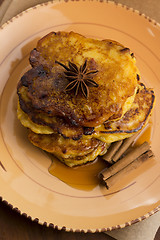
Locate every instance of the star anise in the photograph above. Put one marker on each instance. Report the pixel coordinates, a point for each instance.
(79, 78)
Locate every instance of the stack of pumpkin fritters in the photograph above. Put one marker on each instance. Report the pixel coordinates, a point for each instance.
(80, 95)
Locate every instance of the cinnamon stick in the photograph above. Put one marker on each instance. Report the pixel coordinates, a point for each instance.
(112, 150)
(126, 160)
(125, 145)
(109, 182)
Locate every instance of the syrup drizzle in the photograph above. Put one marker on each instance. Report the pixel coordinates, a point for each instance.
(81, 177)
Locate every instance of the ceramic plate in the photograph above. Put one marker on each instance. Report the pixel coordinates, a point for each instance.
(25, 182)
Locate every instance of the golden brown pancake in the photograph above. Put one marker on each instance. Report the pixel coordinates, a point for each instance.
(45, 82)
(70, 152)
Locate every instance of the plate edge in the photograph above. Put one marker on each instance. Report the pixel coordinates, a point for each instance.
(145, 216)
(151, 20)
(67, 229)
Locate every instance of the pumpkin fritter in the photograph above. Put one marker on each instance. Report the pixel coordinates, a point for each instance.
(46, 81)
(70, 152)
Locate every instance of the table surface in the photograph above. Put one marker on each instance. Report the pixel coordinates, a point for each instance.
(17, 227)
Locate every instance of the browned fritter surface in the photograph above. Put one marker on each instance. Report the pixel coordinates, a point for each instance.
(70, 152)
(54, 143)
(45, 82)
(135, 118)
